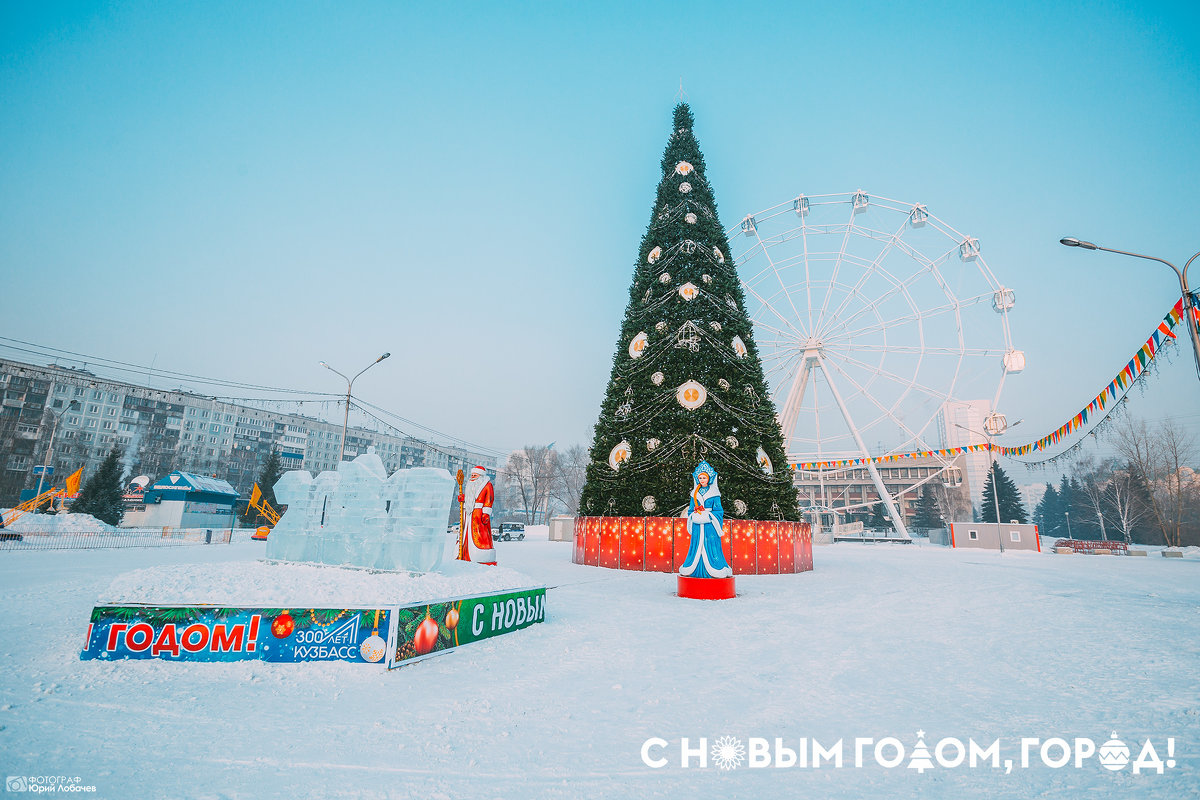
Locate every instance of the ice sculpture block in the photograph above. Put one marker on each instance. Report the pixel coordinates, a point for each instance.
(360, 517)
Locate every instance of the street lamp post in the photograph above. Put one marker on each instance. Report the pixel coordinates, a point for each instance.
(992, 472)
(50, 447)
(1189, 304)
(349, 387)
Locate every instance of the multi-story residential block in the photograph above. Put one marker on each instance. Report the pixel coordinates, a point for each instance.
(160, 431)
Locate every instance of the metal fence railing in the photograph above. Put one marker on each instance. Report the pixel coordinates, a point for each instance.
(122, 537)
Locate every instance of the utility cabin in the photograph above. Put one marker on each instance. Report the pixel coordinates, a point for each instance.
(185, 500)
(990, 536)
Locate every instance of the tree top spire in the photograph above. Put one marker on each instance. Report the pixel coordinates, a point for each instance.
(683, 117)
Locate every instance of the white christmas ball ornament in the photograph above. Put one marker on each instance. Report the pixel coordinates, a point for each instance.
(652, 443)
(373, 649)
(657, 378)
(739, 507)
(649, 503)
(637, 346)
(664, 278)
(619, 454)
(691, 395)
(660, 326)
(690, 218)
(717, 254)
(685, 187)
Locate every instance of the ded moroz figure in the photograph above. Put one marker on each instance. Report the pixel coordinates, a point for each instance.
(475, 538)
(706, 526)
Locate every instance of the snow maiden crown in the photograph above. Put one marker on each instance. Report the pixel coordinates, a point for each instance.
(704, 467)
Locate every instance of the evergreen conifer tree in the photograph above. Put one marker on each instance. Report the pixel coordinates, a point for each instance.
(1011, 505)
(1047, 512)
(686, 381)
(100, 495)
(268, 476)
(928, 516)
(1065, 500)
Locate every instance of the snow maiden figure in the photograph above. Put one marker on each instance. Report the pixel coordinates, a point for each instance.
(705, 573)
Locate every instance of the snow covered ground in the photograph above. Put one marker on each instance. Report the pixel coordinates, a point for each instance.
(879, 641)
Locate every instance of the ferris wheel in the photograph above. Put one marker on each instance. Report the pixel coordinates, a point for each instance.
(872, 317)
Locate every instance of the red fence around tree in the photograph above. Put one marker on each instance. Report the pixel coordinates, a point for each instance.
(659, 544)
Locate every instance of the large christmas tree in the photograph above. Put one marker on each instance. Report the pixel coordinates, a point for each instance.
(686, 382)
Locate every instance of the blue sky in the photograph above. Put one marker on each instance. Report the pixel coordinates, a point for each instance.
(242, 190)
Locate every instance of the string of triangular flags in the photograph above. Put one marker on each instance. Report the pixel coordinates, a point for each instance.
(1115, 389)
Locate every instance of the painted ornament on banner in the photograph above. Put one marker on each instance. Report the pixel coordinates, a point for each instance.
(764, 461)
(689, 291)
(684, 168)
(654, 255)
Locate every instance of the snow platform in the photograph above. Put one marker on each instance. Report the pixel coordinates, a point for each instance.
(285, 612)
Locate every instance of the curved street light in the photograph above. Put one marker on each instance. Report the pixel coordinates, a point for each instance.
(349, 387)
(1189, 301)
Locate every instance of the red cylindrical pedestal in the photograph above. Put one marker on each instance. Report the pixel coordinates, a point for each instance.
(706, 588)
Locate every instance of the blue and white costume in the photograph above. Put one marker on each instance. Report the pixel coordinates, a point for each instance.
(706, 526)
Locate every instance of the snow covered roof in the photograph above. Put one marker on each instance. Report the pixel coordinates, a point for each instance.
(196, 483)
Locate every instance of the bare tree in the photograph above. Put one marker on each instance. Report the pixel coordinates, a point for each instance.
(529, 480)
(1094, 479)
(570, 475)
(1124, 502)
(954, 502)
(1161, 456)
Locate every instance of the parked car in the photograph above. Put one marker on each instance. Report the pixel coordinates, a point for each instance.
(511, 530)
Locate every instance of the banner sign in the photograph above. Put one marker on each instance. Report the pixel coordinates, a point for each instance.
(428, 629)
(214, 633)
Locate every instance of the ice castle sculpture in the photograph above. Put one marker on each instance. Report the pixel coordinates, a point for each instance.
(359, 517)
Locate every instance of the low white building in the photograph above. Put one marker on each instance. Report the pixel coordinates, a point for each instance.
(990, 536)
